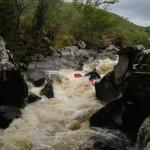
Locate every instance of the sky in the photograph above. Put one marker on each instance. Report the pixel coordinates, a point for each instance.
(137, 11)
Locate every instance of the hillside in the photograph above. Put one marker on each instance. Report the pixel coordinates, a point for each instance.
(66, 23)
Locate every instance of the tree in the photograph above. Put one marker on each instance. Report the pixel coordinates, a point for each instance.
(10, 13)
(44, 6)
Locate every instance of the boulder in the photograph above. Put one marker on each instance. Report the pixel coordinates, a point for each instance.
(32, 98)
(7, 115)
(136, 100)
(143, 139)
(81, 45)
(128, 112)
(13, 88)
(48, 90)
(37, 77)
(106, 90)
(110, 140)
(109, 116)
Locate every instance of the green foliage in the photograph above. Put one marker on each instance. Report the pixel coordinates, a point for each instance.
(65, 23)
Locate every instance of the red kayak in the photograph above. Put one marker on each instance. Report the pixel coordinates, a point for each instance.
(77, 75)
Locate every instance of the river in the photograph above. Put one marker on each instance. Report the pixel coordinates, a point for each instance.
(60, 123)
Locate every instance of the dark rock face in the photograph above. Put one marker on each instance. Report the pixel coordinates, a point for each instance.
(106, 90)
(32, 98)
(136, 100)
(109, 116)
(36, 77)
(7, 114)
(115, 141)
(48, 90)
(13, 88)
(127, 112)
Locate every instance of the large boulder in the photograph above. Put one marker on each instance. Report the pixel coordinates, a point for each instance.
(37, 77)
(136, 100)
(109, 116)
(7, 114)
(32, 98)
(13, 88)
(128, 112)
(106, 90)
(48, 90)
(143, 139)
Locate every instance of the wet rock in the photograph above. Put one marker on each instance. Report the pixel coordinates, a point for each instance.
(112, 48)
(48, 90)
(128, 112)
(53, 77)
(106, 90)
(81, 45)
(7, 115)
(36, 77)
(32, 98)
(140, 47)
(109, 116)
(110, 140)
(143, 139)
(13, 88)
(136, 101)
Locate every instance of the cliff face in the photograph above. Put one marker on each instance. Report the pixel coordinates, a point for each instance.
(13, 88)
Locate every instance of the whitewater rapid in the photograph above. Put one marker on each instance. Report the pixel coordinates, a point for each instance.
(60, 123)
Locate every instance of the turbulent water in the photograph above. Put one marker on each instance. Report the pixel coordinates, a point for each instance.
(61, 123)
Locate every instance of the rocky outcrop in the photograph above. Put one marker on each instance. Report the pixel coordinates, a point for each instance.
(36, 77)
(7, 115)
(115, 141)
(109, 116)
(32, 98)
(66, 58)
(129, 110)
(48, 90)
(112, 83)
(13, 88)
(106, 90)
(143, 140)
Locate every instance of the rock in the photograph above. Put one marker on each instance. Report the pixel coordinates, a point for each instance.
(109, 116)
(109, 140)
(112, 48)
(54, 77)
(120, 69)
(81, 45)
(143, 139)
(38, 57)
(136, 101)
(13, 88)
(128, 112)
(140, 47)
(36, 77)
(32, 98)
(48, 90)
(7, 115)
(106, 90)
